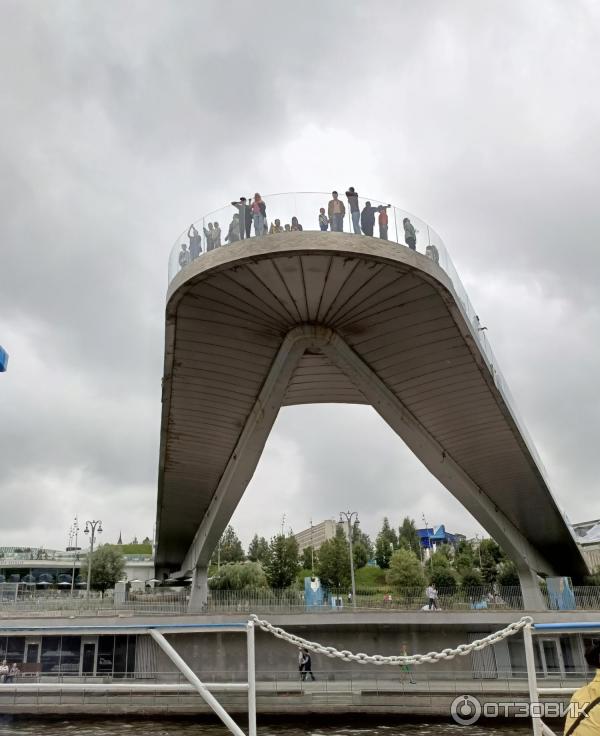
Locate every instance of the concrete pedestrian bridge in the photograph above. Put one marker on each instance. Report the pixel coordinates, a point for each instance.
(336, 317)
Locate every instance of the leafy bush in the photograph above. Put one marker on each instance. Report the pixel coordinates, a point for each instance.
(471, 579)
(239, 576)
(444, 578)
(405, 570)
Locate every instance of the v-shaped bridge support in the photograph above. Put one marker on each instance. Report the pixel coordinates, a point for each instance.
(250, 445)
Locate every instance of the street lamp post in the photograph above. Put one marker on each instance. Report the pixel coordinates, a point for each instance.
(91, 527)
(347, 515)
(73, 547)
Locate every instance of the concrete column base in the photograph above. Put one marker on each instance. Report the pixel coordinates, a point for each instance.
(533, 599)
(199, 590)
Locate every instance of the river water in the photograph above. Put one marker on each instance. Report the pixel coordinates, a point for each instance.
(299, 727)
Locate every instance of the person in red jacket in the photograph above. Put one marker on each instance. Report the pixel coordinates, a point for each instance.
(383, 221)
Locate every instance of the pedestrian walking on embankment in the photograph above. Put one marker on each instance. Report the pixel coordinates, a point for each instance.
(305, 665)
(406, 669)
(432, 595)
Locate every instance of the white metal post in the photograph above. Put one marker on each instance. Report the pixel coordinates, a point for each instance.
(251, 679)
(536, 720)
(193, 679)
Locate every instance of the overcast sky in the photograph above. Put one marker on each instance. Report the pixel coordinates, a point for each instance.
(121, 122)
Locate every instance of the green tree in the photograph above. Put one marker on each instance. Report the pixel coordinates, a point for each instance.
(464, 562)
(491, 548)
(258, 550)
(359, 537)
(507, 573)
(334, 562)
(408, 537)
(230, 548)
(489, 569)
(405, 570)
(441, 572)
(239, 576)
(309, 558)
(471, 579)
(360, 555)
(385, 543)
(282, 562)
(464, 546)
(444, 551)
(444, 578)
(491, 556)
(108, 565)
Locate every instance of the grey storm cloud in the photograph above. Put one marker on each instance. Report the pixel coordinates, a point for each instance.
(124, 121)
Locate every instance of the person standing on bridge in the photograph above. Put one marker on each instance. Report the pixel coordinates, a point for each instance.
(323, 220)
(184, 256)
(367, 218)
(233, 234)
(352, 197)
(336, 212)
(383, 221)
(209, 235)
(245, 213)
(216, 235)
(259, 215)
(195, 247)
(410, 234)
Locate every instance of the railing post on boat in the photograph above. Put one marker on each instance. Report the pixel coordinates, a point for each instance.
(195, 681)
(251, 679)
(536, 720)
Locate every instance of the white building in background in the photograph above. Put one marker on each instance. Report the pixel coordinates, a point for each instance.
(316, 534)
(18, 563)
(587, 534)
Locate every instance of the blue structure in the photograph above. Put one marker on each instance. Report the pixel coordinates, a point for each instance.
(3, 359)
(313, 592)
(430, 537)
(560, 594)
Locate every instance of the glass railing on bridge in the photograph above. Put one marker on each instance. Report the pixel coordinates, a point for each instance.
(304, 211)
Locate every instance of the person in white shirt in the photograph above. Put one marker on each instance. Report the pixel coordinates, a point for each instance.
(432, 594)
(3, 671)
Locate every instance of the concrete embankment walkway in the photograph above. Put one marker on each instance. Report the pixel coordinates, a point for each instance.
(282, 696)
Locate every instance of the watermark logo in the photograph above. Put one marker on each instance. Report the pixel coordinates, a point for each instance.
(467, 710)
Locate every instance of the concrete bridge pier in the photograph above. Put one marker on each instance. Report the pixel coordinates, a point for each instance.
(199, 590)
(533, 600)
(304, 318)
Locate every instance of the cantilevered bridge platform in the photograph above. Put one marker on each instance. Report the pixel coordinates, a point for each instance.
(308, 317)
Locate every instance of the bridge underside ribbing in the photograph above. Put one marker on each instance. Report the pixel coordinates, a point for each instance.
(327, 317)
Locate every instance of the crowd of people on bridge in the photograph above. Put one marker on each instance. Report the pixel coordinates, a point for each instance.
(253, 214)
